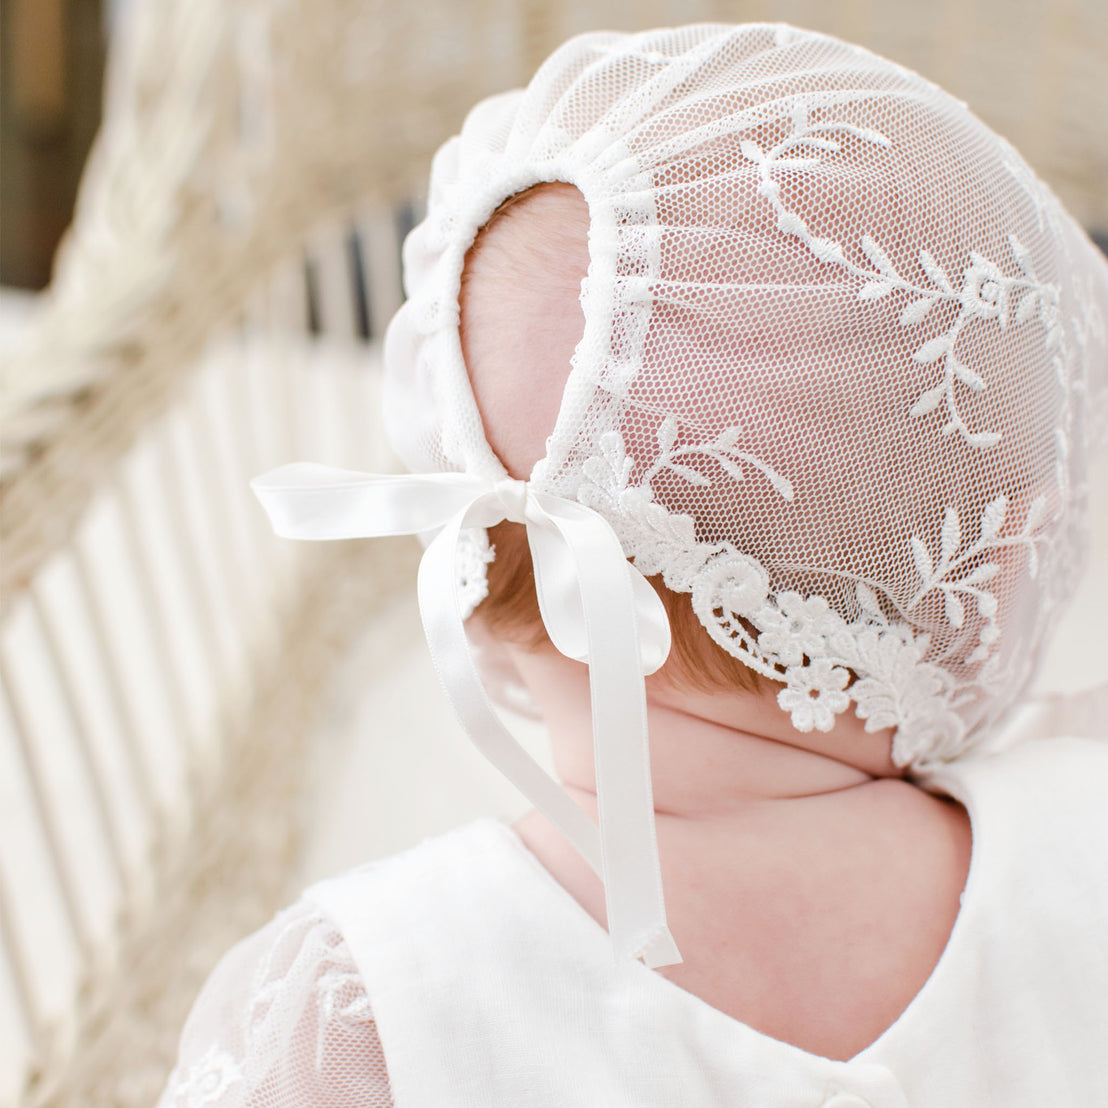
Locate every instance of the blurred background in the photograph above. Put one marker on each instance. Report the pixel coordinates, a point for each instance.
(201, 210)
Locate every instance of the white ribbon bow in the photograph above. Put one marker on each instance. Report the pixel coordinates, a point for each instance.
(597, 608)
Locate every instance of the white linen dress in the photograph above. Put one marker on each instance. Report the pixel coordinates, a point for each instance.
(461, 974)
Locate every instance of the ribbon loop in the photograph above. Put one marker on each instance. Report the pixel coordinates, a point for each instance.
(597, 609)
(512, 495)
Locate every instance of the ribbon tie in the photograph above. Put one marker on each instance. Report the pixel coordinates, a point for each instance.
(597, 608)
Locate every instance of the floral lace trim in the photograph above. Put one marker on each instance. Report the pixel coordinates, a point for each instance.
(800, 640)
(474, 554)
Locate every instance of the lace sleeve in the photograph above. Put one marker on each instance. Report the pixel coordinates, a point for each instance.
(282, 1022)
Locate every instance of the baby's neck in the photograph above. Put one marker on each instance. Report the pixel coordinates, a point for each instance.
(711, 752)
(704, 768)
(810, 888)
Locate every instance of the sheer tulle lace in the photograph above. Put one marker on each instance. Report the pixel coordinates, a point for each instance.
(843, 354)
(283, 1022)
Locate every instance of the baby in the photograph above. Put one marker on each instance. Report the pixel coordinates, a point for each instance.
(787, 327)
(811, 888)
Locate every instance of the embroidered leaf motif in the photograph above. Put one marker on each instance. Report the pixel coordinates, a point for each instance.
(992, 519)
(951, 535)
(1028, 303)
(865, 134)
(916, 312)
(731, 468)
(615, 453)
(986, 605)
(871, 290)
(1022, 255)
(983, 440)
(981, 574)
(924, 566)
(781, 484)
(968, 377)
(1032, 561)
(752, 151)
(933, 350)
(929, 400)
(867, 598)
(878, 256)
(1035, 514)
(955, 613)
(827, 250)
(935, 272)
(667, 434)
(791, 224)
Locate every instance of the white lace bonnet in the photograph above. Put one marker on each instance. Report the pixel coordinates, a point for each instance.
(843, 357)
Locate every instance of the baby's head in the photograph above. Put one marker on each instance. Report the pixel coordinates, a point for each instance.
(816, 344)
(520, 322)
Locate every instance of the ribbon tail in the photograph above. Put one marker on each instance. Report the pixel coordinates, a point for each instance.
(632, 871)
(453, 662)
(584, 583)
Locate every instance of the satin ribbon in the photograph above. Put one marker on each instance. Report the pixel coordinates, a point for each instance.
(597, 609)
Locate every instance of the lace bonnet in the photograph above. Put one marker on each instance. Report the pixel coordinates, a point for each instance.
(843, 358)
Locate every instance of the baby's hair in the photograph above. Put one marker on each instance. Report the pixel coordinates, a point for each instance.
(527, 240)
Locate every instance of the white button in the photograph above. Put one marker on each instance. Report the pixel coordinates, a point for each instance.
(846, 1100)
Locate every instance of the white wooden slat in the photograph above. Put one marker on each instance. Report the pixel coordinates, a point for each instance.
(183, 731)
(124, 708)
(220, 705)
(211, 522)
(98, 787)
(243, 452)
(65, 615)
(265, 369)
(21, 1021)
(216, 432)
(149, 501)
(45, 809)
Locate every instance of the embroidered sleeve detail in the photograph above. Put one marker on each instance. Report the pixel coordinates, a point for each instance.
(283, 1021)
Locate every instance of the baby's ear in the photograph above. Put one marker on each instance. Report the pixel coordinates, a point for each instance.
(494, 661)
